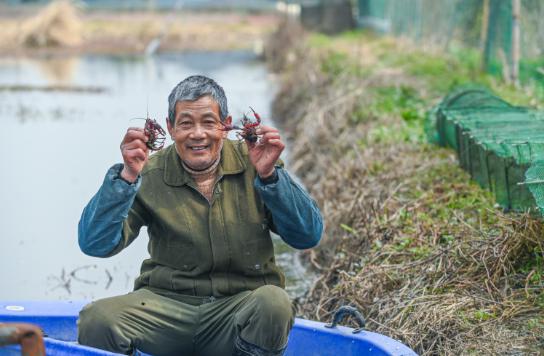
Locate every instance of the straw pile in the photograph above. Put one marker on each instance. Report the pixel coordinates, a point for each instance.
(57, 25)
(410, 241)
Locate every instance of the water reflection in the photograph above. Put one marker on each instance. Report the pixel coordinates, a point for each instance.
(58, 145)
(58, 71)
(28, 112)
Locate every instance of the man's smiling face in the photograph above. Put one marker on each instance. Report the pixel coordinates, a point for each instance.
(197, 132)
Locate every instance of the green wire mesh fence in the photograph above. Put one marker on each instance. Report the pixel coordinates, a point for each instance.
(500, 145)
(486, 25)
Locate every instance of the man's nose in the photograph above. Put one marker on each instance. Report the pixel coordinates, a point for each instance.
(198, 131)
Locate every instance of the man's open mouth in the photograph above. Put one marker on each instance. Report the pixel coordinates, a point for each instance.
(198, 147)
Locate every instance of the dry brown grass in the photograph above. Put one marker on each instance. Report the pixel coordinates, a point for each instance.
(409, 240)
(58, 24)
(61, 28)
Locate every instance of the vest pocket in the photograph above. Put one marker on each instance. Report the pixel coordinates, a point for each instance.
(167, 278)
(257, 252)
(161, 277)
(178, 253)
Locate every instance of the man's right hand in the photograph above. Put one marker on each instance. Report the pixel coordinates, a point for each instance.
(135, 153)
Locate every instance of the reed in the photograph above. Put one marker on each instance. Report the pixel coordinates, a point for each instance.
(56, 25)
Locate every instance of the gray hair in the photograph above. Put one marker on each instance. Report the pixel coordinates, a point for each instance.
(193, 88)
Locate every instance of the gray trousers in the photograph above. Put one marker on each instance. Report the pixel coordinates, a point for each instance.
(187, 325)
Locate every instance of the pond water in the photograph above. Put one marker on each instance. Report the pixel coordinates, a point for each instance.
(62, 123)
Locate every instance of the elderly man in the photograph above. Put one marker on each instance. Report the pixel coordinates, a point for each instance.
(211, 285)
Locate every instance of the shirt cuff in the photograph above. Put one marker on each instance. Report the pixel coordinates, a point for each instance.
(118, 184)
(269, 182)
(271, 179)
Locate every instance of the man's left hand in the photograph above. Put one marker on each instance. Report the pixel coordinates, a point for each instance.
(264, 153)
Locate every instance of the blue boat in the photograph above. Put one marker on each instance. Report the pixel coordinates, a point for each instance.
(58, 320)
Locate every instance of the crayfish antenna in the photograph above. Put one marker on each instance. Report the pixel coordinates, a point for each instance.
(227, 127)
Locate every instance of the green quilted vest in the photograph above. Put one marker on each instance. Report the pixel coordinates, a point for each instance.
(196, 247)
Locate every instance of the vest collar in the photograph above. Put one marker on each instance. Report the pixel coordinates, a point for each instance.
(231, 162)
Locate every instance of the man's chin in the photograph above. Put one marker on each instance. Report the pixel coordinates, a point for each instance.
(198, 165)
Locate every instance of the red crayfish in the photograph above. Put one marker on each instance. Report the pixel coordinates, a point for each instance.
(248, 128)
(155, 133)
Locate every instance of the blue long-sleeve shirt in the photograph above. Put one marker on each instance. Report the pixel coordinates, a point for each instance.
(295, 215)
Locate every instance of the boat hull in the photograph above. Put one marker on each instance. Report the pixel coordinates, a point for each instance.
(58, 320)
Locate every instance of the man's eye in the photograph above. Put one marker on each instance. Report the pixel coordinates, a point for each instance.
(185, 124)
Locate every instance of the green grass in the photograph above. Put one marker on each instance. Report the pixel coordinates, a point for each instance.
(483, 315)
(440, 71)
(348, 229)
(533, 267)
(336, 63)
(402, 101)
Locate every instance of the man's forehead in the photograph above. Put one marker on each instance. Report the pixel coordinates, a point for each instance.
(204, 104)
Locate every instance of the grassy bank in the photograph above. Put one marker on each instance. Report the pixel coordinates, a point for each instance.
(420, 249)
(63, 28)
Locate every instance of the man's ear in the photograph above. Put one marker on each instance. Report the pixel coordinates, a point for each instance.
(170, 128)
(228, 121)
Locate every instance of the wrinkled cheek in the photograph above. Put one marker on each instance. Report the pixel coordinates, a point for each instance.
(217, 148)
(182, 152)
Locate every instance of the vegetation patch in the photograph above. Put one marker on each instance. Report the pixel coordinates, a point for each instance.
(421, 250)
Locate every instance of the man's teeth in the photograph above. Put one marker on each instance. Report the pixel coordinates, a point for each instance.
(198, 148)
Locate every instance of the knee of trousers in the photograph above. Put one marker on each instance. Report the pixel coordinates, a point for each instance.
(101, 326)
(273, 307)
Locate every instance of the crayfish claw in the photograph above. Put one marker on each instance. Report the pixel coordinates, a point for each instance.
(257, 116)
(248, 129)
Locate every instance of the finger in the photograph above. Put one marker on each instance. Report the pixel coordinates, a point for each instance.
(134, 133)
(270, 136)
(136, 154)
(127, 151)
(277, 143)
(261, 130)
(136, 151)
(134, 144)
